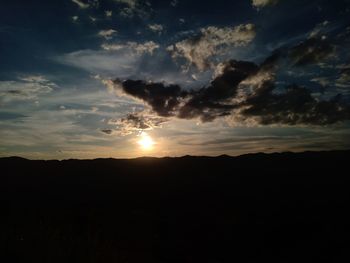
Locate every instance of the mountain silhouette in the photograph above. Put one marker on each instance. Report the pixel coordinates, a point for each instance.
(282, 207)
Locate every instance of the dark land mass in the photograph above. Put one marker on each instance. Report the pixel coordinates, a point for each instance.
(288, 207)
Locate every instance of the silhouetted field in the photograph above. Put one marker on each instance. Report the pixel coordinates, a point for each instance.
(254, 208)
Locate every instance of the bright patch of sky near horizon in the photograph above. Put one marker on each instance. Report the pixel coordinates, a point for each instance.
(59, 58)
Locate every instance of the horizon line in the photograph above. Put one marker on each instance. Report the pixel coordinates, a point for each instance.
(179, 157)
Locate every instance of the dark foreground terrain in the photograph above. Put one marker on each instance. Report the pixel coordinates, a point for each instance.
(254, 208)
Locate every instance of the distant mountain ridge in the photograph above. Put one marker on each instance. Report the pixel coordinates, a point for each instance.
(282, 207)
(248, 155)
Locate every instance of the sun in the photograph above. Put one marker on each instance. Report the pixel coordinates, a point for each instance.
(146, 142)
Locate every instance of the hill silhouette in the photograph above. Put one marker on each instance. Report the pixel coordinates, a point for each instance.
(283, 207)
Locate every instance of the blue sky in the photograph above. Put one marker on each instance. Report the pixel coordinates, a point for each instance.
(87, 79)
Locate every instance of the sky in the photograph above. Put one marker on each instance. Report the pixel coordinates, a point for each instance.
(131, 78)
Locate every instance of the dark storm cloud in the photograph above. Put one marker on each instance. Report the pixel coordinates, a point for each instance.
(216, 100)
(322, 44)
(295, 106)
(245, 91)
(313, 50)
(164, 100)
(206, 103)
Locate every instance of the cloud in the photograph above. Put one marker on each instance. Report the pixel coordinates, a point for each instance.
(94, 3)
(263, 3)
(317, 49)
(107, 34)
(10, 116)
(156, 28)
(107, 131)
(102, 61)
(136, 122)
(143, 60)
(81, 4)
(133, 8)
(295, 106)
(312, 51)
(124, 59)
(217, 99)
(323, 81)
(343, 81)
(164, 100)
(245, 92)
(25, 88)
(206, 103)
(174, 3)
(211, 41)
(319, 29)
(139, 48)
(130, 3)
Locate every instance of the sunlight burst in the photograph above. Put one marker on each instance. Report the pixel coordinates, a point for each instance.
(146, 142)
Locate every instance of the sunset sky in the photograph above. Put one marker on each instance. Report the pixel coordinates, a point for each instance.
(130, 78)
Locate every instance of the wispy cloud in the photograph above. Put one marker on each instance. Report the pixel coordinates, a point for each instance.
(263, 3)
(81, 4)
(25, 88)
(103, 61)
(107, 34)
(343, 81)
(139, 48)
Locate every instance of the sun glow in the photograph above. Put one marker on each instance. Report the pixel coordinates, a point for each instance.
(146, 142)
